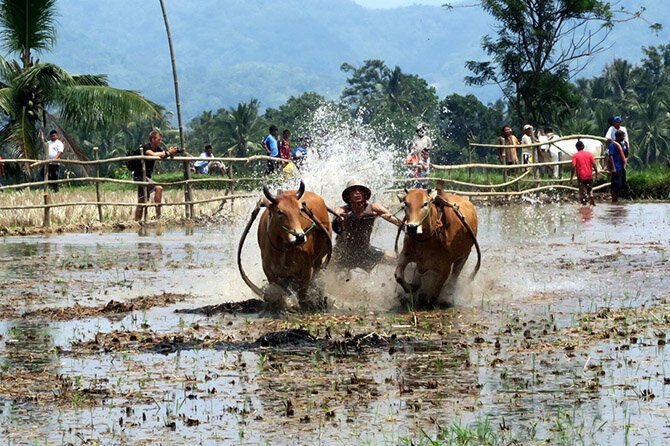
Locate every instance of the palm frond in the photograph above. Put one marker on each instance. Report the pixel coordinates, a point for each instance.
(91, 79)
(28, 25)
(92, 107)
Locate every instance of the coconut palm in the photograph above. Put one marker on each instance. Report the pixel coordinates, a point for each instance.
(241, 124)
(36, 95)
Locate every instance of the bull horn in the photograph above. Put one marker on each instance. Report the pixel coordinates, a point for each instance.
(301, 190)
(268, 195)
(429, 190)
(406, 191)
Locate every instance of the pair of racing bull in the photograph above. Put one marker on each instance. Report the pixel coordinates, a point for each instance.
(294, 237)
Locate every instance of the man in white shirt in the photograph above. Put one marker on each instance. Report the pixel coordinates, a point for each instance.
(610, 134)
(56, 149)
(527, 138)
(204, 167)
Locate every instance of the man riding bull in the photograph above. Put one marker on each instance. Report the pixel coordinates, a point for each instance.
(354, 228)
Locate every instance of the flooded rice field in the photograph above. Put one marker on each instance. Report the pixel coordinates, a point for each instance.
(121, 338)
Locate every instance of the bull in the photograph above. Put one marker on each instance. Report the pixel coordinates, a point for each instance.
(555, 151)
(294, 237)
(440, 230)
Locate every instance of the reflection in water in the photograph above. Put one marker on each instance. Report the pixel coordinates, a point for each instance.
(149, 254)
(586, 214)
(29, 348)
(616, 214)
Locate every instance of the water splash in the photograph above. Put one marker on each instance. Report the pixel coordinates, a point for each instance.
(344, 148)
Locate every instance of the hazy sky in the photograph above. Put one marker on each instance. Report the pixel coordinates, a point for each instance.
(397, 3)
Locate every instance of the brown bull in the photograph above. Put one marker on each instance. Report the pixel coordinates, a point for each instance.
(437, 239)
(294, 237)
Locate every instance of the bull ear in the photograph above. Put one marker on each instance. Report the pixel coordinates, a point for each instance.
(301, 190)
(432, 194)
(268, 195)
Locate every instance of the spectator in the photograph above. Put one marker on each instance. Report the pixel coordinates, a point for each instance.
(300, 153)
(420, 167)
(285, 145)
(508, 155)
(56, 150)
(205, 167)
(527, 138)
(153, 148)
(610, 134)
(617, 163)
(421, 141)
(584, 165)
(271, 148)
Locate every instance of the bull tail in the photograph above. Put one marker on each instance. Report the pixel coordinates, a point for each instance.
(246, 279)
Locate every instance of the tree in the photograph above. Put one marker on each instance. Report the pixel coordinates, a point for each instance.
(297, 113)
(375, 89)
(541, 45)
(35, 95)
(464, 119)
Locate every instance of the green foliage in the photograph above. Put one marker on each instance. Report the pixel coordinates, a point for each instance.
(296, 113)
(537, 46)
(36, 96)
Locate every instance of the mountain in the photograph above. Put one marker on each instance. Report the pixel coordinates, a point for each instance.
(229, 51)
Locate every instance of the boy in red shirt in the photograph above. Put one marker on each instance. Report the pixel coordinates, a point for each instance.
(584, 164)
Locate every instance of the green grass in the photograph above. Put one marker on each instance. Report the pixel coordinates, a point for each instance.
(650, 183)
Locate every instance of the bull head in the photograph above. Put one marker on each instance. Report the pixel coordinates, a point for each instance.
(418, 207)
(285, 211)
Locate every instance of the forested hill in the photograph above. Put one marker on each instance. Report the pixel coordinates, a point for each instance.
(233, 50)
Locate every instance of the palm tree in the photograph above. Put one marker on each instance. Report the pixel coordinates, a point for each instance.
(241, 124)
(36, 95)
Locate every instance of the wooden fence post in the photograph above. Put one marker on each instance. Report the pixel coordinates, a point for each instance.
(47, 198)
(145, 209)
(97, 183)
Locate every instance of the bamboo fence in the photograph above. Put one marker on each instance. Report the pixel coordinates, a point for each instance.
(228, 194)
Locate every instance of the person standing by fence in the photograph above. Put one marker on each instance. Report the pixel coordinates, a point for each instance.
(617, 163)
(508, 155)
(153, 148)
(271, 147)
(584, 165)
(56, 149)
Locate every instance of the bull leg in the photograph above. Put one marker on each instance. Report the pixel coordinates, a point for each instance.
(304, 281)
(403, 260)
(431, 286)
(458, 267)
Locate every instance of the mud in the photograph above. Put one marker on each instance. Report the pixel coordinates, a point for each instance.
(560, 339)
(110, 309)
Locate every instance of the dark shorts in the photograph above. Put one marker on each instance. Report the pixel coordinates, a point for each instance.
(618, 180)
(587, 184)
(140, 189)
(364, 258)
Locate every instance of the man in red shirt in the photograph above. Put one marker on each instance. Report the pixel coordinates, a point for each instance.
(584, 164)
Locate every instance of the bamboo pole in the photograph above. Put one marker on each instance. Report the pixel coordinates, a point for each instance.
(47, 198)
(188, 192)
(97, 183)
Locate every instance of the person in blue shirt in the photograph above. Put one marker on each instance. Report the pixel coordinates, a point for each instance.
(616, 161)
(299, 153)
(271, 149)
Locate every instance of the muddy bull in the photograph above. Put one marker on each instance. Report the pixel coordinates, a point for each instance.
(440, 230)
(294, 237)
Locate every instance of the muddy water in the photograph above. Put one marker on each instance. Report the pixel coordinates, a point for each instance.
(515, 348)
